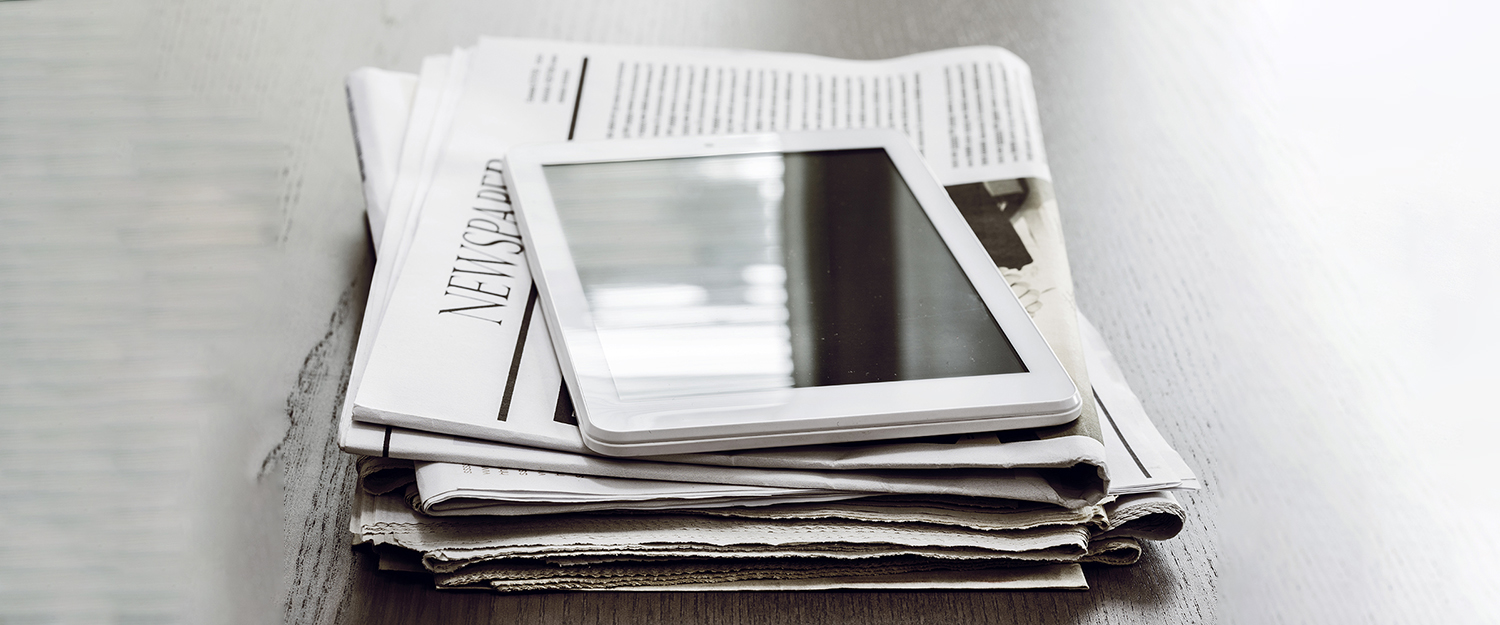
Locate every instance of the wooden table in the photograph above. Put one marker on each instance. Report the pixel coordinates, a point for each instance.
(1281, 218)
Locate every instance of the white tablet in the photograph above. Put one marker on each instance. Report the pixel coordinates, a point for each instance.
(721, 293)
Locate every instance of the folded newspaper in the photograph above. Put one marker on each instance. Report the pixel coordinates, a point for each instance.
(919, 539)
(434, 382)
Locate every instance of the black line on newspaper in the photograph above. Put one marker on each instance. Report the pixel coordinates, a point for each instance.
(385, 450)
(582, 72)
(564, 412)
(1123, 440)
(515, 361)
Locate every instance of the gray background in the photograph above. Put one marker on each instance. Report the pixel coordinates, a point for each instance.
(1279, 214)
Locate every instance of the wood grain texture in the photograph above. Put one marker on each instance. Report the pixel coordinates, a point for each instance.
(1280, 216)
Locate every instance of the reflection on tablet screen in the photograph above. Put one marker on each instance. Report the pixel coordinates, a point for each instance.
(749, 272)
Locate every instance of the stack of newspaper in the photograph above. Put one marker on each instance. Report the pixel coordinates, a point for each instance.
(471, 464)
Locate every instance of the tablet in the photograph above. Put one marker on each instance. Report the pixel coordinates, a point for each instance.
(718, 293)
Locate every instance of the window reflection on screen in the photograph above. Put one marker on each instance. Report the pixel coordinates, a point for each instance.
(747, 272)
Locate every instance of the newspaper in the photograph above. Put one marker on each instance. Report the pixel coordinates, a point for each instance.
(974, 489)
(863, 539)
(1031, 577)
(541, 425)
(1140, 459)
(449, 489)
(380, 120)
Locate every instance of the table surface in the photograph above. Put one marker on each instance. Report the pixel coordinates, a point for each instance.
(1279, 215)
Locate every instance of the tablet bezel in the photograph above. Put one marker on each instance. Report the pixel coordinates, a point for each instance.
(1042, 395)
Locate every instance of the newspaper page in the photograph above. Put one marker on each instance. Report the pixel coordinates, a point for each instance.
(463, 489)
(1140, 459)
(1018, 484)
(437, 92)
(537, 425)
(619, 549)
(380, 123)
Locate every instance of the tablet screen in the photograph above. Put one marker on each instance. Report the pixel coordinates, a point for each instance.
(761, 271)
